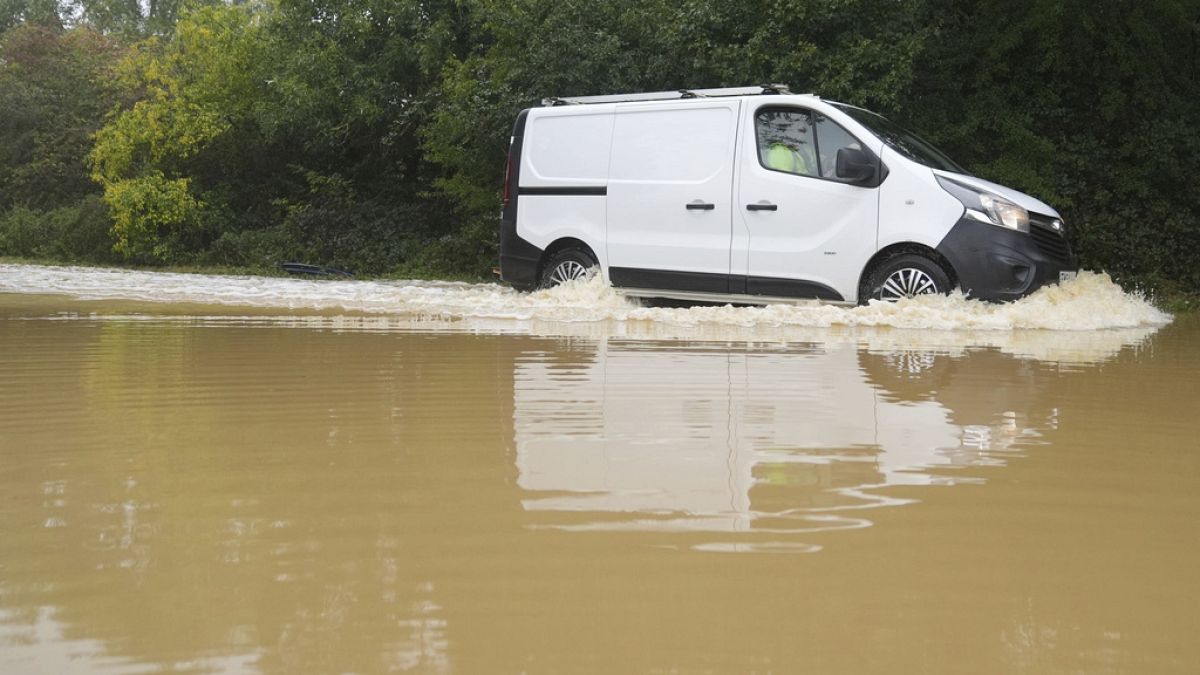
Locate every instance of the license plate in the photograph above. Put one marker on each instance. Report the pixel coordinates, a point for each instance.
(1064, 276)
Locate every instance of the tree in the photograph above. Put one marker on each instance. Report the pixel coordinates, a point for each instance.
(33, 12)
(1090, 106)
(284, 130)
(55, 87)
(196, 88)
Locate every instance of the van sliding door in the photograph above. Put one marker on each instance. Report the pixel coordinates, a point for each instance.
(670, 208)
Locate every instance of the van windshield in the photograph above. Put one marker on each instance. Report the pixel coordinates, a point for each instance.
(902, 140)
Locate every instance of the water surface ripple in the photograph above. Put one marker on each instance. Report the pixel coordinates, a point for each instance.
(222, 474)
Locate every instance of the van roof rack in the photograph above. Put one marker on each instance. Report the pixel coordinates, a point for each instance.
(674, 95)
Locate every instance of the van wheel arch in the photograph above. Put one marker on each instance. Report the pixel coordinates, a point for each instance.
(888, 252)
(560, 245)
(563, 244)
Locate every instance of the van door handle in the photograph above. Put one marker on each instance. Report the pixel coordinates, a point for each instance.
(699, 206)
(762, 207)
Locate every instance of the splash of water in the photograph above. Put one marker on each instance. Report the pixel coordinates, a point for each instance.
(1090, 302)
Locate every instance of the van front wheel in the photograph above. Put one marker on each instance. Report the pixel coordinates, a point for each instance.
(906, 276)
(566, 265)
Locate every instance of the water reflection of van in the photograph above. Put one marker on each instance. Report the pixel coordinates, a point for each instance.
(757, 195)
(725, 440)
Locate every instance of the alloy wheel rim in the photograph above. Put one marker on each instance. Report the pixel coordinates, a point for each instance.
(907, 283)
(567, 270)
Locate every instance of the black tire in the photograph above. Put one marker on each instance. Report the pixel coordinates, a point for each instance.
(905, 275)
(567, 264)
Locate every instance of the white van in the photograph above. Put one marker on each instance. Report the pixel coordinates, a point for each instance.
(756, 195)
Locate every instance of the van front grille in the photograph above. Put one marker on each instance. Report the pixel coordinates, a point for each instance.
(1047, 239)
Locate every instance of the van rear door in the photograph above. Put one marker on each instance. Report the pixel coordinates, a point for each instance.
(670, 208)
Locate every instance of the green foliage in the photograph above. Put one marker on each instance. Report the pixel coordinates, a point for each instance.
(295, 127)
(78, 232)
(42, 13)
(55, 87)
(1090, 106)
(153, 216)
(194, 87)
(349, 93)
(372, 134)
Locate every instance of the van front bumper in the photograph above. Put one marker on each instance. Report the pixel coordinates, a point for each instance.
(997, 264)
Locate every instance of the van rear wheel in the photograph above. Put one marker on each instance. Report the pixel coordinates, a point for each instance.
(906, 276)
(566, 265)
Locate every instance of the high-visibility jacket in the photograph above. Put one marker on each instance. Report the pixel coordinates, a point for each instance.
(784, 158)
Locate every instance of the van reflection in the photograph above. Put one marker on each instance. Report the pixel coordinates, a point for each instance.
(724, 438)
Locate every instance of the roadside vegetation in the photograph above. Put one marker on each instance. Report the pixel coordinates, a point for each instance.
(372, 134)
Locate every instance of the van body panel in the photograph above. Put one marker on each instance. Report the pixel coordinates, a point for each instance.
(546, 218)
(669, 206)
(1019, 198)
(689, 282)
(912, 206)
(822, 231)
(568, 148)
(791, 296)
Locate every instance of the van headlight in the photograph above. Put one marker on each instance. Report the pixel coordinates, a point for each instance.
(986, 206)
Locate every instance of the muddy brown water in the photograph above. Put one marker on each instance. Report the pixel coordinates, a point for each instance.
(193, 489)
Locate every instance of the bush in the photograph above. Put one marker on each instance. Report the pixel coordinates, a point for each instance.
(256, 249)
(77, 233)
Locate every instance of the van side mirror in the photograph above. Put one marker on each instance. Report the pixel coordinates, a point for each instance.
(855, 166)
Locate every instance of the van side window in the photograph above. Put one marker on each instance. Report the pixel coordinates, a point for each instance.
(785, 141)
(830, 139)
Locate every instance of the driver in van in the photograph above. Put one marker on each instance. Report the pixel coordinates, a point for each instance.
(783, 157)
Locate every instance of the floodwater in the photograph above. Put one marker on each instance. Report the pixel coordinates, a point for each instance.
(229, 474)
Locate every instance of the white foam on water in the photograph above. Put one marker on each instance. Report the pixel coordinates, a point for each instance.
(1083, 321)
(1090, 302)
